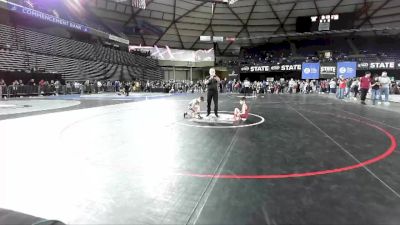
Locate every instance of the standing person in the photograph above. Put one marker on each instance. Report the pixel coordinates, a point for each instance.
(148, 86)
(254, 88)
(291, 86)
(375, 89)
(212, 92)
(117, 85)
(348, 88)
(266, 86)
(384, 81)
(332, 86)
(15, 85)
(295, 86)
(223, 85)
(96, 87)
(246, 85)
(127, 88)
(229, 86)
(342, 87)
(355, 86)
(2, 85)
(365, 83)
(306, 87)
(302, 87)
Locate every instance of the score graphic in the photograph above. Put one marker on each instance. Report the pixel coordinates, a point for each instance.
(324, 21)
(325, 18)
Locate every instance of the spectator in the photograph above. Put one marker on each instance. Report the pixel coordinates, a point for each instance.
(96, 86)
(332, 86)
(375, 89)
(396, 89)
(229, 86)
(99, 86)
(148, 87)
(222, 85)
(254, 88)
(15, 85)
(384, 81)
(68, 88)
(31, 82)
(41, 84)
(57, 86)
(342, 87)
(348, 87)
(117, 85)
(237, 86)
(87, 87)
(291, 86)
(3, 87)
(246, 85)
(302, 87)
(127, 88)
(266, 86)
(355, 85)
(365, 83)
(306, 87)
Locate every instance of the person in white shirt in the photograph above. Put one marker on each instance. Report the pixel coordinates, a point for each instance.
(332, 86)
(384, 81)
(305, 87)
(302, 87)
(246, 85)
(291, 85)
(194, 108)
(355, 86)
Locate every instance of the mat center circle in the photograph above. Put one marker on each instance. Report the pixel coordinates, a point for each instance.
(225, 119)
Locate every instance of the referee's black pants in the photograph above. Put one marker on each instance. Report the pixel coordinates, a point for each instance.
(212, 95)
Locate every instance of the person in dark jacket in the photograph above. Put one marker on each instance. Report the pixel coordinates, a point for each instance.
(212, 91)
(127, 88)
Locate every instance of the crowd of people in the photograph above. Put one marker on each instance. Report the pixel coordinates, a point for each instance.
(343, 88)
(378, 86)
(45, 87)
(340, 86)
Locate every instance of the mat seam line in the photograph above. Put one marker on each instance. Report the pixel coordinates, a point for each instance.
(212, 181)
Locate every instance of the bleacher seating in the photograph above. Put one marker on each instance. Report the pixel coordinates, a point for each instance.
(75, 60)
(363, 49)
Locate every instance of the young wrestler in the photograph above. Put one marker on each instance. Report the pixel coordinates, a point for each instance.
(241, 114)
(194, 108)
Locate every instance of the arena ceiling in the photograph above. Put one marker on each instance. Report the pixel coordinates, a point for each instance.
(183, 21)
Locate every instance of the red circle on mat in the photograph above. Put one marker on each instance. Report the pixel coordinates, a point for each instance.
(387, 153)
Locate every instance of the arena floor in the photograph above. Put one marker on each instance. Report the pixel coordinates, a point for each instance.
(298, 159)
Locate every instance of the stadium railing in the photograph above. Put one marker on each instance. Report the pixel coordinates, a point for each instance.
(12, 91)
